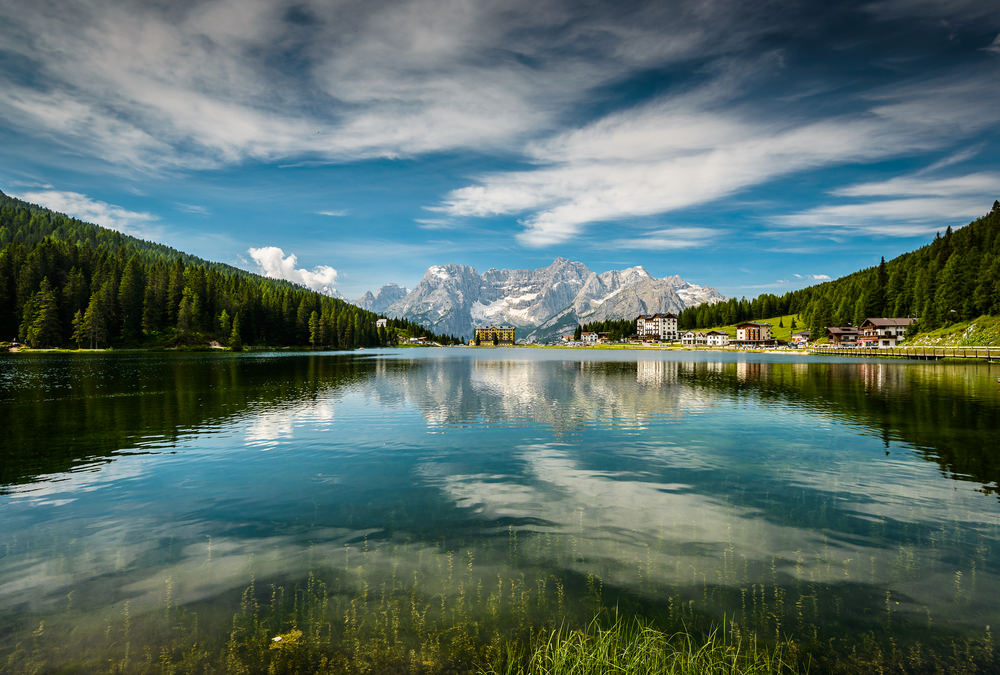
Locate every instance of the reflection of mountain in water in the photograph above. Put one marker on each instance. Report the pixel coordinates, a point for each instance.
(56, 411)
(562, 395)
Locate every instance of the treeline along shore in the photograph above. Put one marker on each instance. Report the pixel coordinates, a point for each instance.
(67, 283)
(955, 278)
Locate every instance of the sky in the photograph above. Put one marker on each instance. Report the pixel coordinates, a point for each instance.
(748, 145)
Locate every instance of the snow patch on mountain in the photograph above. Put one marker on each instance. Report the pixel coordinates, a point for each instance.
(542, 303)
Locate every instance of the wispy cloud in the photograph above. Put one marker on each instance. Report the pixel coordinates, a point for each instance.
(333, 213)
(436, 223)
(672, 238)
(892, 217)
(136, 223)
(812, 277)
(907, 186)
(153, 85)
(272, 262)
(911, 205)
(689, 150)
(194, 209)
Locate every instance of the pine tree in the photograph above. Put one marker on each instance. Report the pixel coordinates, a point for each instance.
(187, 312)
(42, 328)
(875, 294)
(235, 339)
(225, 325)
(314, 328)
(130, 299)
(79, 329)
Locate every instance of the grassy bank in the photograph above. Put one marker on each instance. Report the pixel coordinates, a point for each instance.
(983, 331)
(781, 326)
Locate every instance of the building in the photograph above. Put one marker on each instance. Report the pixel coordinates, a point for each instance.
(842, 335)
(657, 326)
(381, 323)
(589, 338)
(717, 338)
(754, 334)
(882, 332)
(691, 338)
(494, 335)
(800, 339)
(568, 337)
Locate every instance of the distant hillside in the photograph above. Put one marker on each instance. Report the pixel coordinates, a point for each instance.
(64, 282)
(955, 278)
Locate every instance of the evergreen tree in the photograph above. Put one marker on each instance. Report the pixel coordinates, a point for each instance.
(235, 339)
(130, 299)
(79, 329)
(314, 328)
(42, 327)
(188, 312)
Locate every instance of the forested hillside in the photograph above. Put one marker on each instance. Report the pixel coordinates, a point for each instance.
(954, 278)
(64, 282)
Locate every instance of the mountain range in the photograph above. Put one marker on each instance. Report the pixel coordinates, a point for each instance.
(541, 303)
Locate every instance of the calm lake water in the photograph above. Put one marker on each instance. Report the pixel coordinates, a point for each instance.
(410, 506)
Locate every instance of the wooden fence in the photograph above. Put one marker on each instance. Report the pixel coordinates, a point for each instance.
(921, 353)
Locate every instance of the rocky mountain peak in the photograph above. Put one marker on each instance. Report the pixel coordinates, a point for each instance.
(540, 302)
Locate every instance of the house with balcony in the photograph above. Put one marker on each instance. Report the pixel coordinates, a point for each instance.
(662, 327)
(717, 338)
(842, 335)
(882, 332)
(754, 334)
(691, 338)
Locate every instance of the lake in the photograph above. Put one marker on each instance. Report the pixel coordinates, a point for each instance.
(414, 508)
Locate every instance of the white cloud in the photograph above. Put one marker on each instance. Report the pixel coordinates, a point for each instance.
(154, 85)
(813, 277)
(892, 217)
(671, 238)
(194, 209)
(994, 46)
(679, 152)
(339, 213)
(272, 262)
(907, 186)
(81, 206)
(912, 205)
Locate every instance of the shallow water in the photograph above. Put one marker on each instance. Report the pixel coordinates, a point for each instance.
(805, 497)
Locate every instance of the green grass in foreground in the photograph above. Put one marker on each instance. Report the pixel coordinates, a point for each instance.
(636, 648)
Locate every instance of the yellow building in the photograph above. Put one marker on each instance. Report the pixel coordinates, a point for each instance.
(494, 335)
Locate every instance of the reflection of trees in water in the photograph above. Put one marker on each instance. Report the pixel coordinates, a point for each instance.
(58, 409)
(949, 413)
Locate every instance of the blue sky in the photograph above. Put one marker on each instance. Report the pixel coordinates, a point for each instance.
(751, 146)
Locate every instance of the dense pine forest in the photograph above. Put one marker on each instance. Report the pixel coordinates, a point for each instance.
(954, 278)
(67, 283)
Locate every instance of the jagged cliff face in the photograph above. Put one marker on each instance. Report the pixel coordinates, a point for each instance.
(380, 300)
(542, 303)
